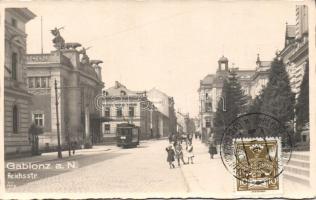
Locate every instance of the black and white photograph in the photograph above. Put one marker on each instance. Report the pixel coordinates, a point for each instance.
(158, 99)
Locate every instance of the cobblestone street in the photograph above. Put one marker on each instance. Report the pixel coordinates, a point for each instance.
(139, 170)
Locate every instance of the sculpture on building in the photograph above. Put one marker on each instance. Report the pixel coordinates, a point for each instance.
(95, 62)
(72, 45)
(59, 42)
(85, 57)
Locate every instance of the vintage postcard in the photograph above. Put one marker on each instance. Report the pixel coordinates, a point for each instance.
(157, 99)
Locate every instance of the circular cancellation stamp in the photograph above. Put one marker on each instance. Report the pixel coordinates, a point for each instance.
(254, 149)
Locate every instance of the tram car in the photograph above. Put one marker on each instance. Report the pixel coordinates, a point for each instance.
(127, 135)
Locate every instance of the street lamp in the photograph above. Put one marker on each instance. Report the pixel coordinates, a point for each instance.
(57, 123)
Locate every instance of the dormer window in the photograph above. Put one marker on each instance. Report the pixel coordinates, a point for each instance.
(123, 93)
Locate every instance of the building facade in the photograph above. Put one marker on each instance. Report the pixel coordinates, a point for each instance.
(210, 90)
(121, 105)
(295, 55)
(76, 80)
(17, 100)
(165, 105)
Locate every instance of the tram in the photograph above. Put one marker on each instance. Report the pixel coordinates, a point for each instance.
(127, 135)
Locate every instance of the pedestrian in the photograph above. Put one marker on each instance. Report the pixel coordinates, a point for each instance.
(170, 157)
(170, 138)
(190, 154)
(74, 145)
(179, 154)
(212, 147)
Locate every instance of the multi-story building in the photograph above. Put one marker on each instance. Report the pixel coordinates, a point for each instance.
(295, 51)
(121, 105)
(210, 90)
(78, 81)
(16, 99)
(295, 54)
(165, 105)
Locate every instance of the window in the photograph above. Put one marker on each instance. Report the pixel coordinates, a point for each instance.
(31, 82)
(304, 138)
(14, 65)
(38, 119)
(15, 119)
(107, 128)
(131, 111)
(208, 123)
(107, 112)
(37, 82)
(14, 22)
(123, 93)
(119, 112)
(43, 82)
(208, 106)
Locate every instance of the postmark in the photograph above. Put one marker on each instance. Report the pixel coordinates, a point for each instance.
(251, 150)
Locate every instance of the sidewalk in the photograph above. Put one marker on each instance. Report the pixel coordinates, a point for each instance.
(52, 156)
(207, 177)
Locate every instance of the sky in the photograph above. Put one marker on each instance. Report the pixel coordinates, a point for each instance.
(169, 45)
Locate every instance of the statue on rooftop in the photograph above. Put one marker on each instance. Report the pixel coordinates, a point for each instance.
(59, 42)
(85, 57)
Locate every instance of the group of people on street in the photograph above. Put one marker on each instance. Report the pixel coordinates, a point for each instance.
(175, 151)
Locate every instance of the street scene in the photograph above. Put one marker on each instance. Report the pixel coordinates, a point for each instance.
(158, 99)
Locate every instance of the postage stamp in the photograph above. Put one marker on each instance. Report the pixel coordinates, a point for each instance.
(258, 164)
(251, 151)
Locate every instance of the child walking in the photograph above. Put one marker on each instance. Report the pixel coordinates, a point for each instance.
(170, 157)
(190, 152)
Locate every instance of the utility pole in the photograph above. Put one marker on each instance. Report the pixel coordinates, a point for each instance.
(57, 123)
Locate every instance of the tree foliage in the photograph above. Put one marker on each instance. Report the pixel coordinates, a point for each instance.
(302, 106)
(278, 98)
(232, 104)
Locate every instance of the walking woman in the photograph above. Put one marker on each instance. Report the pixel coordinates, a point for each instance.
(170, 157)
(212, 147)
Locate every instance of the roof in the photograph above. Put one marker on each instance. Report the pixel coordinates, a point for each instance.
(290, 31)
(265, 63)
(223, 59)
(245, 73)
(208, 79)
(118, 88)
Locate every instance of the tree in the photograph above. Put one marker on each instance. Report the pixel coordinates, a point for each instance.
(278, 99)
(302, 105)
(256, 104)
(232, 104)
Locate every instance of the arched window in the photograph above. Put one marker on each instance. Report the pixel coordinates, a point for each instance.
(15, 122)
(14, 65)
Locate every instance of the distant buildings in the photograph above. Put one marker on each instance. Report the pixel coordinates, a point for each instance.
(17, 101)
(152, 111)
(78, 82)
(252, 82)
(165, 105)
